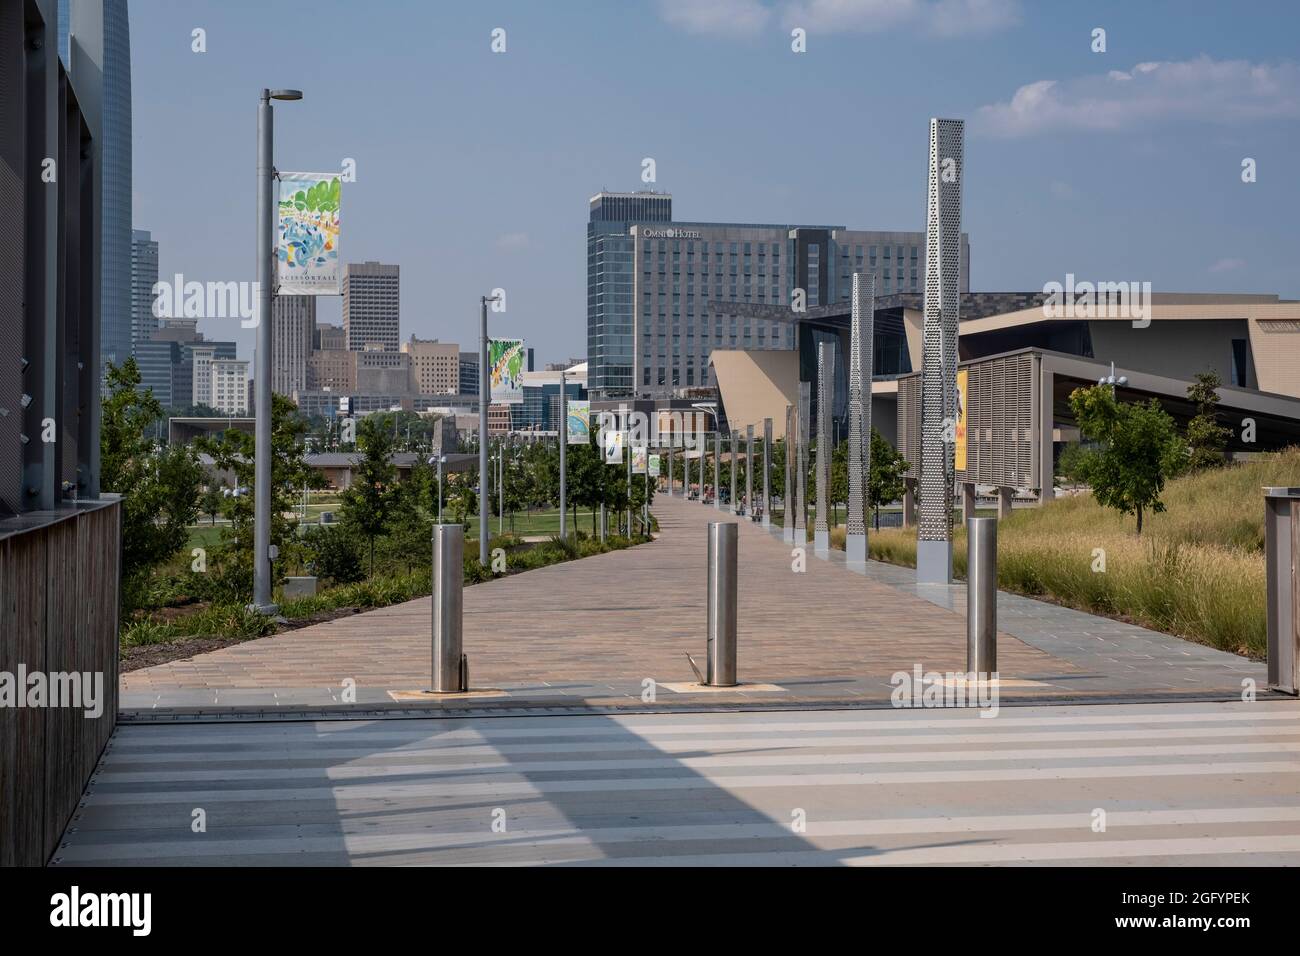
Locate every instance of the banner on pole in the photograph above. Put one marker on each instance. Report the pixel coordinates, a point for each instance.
(640, 459)
(579, 416)
(654, 466)
(613, 447)
(307, 247)
(959, 454)
(506, 360)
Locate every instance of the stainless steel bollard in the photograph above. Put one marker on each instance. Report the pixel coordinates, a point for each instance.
(1281, 548)
(720, 653)
(982, 595)
(448, 608)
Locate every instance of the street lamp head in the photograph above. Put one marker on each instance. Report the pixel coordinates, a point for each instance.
(286, 94)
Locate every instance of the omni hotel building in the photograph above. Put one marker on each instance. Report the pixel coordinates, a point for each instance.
(658, 290)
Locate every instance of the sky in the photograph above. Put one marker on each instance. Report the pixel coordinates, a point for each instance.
(474, 168)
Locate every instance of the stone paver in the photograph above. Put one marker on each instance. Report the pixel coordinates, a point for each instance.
(591, 632)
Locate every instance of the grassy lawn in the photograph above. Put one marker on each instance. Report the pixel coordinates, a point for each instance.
(1196, 571)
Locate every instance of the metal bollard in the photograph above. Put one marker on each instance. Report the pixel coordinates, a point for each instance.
(720, 653)
(449, 670)
(1281, 548)
(982, 595)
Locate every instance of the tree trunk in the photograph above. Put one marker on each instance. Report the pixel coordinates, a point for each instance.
(1139, 519)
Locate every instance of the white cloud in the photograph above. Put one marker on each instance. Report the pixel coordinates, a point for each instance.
(749, 17)
(716, 17)
(512, 240)
(1228, 265)
(1216, 91)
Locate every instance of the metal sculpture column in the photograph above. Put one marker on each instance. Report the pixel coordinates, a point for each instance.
(718, 470)
(735, 440)
(825, 398)
(939, 352)
(801, 466)
(787, 494)
(767, 473)
(861, 330)
(749, 471)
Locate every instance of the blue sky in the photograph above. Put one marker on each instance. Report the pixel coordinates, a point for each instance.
(474, 168)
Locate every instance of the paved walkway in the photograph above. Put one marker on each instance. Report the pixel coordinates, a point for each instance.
(595, 633)
(1154, 784)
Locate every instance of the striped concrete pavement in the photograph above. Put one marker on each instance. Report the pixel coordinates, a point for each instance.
(1193, 783)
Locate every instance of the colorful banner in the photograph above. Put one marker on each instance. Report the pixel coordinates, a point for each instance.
(613, 447)
(640, 459)
(506, 360)
(307, 248)
(654, 466)
(959, 456)
(579, 426)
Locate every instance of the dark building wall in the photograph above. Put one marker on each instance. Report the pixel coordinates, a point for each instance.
(60, 542)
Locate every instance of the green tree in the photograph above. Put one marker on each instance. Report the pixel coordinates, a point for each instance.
(885, 477)
(212, 501)
(334, 554)
(1073, 461)
(1206, 438)
(838, 489)
(159, 485)
(230, 567)
(1139, 450)
(367, 500)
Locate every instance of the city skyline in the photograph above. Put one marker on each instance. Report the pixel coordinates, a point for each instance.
(504, 176)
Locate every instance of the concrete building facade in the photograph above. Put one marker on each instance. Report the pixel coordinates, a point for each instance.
(293, 328)
(230, 384)
(371, 306)
(435, 366)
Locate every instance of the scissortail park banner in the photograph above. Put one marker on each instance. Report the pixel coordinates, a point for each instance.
(640, 459)
(579, 421)
(506, 360)
(307, 250)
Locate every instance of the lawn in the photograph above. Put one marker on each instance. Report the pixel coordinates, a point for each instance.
(1196, 571)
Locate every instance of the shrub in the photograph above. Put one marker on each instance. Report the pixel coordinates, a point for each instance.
(334, 554)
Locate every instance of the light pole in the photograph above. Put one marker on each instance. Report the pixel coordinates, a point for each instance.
(564, 440)
(711, 409)
(483, 394)
(1111, 380)
(266, 221)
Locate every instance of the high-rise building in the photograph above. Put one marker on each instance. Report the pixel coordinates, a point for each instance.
(469, 383)
(371, 300)
(332, 370)
(107, 22)
(328, 337)
(201, 358)
(610, 313)
(230, 386)
(435, 366)
(157, 360)
(657, 289)
(293, 327)
(144, 274)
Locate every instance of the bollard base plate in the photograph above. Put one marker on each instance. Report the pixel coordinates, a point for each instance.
(428, 695)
